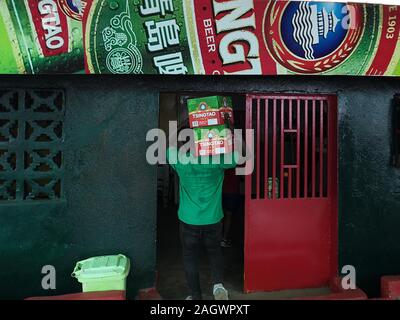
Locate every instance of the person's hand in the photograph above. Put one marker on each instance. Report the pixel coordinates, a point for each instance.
(228, 121)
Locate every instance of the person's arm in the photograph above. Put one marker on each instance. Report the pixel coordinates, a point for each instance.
(231, 160)
(229, 125)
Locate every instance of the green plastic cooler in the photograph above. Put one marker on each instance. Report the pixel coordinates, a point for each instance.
(102, 273)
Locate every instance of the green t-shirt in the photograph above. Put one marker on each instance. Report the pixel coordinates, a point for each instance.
(200, 186)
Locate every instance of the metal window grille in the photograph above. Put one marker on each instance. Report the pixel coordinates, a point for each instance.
(291, 147)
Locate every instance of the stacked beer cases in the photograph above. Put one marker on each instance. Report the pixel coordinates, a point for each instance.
(207, 117)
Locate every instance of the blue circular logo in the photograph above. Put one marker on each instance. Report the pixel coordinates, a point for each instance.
(72, 8)
(74, 5)
(312, 30)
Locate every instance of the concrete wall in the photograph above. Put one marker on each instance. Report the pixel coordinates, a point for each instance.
(110, 203)
(110, 191)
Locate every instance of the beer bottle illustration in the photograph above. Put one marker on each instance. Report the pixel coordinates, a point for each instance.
(134, 37)
(41, 36)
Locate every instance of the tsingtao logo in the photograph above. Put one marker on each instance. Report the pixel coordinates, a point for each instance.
(203, 106)
(312, 37)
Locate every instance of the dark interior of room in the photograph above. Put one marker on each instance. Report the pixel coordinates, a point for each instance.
(171, 279)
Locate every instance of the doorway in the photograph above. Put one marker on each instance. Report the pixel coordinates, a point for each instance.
(284, 238)
(171, 282)
(291, 196)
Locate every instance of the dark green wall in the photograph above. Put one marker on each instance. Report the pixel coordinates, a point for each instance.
(110, 201)
(110, 191)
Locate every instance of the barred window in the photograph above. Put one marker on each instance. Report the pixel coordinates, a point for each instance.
(31, 141)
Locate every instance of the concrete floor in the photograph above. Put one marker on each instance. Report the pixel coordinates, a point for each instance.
(171, 278)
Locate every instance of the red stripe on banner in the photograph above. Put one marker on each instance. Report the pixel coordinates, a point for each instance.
(268, 64)
(88, 7)
(51, 27)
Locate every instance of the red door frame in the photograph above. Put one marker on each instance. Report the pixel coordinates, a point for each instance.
(255, 278)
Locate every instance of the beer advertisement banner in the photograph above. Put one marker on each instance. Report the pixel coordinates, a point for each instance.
(213, 37)
(41, 36)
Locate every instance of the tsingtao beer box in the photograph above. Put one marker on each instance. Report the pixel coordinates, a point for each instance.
(212, 140)
(209, 111)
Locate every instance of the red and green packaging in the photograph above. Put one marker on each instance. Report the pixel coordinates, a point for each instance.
(212, 140)
(209, 111)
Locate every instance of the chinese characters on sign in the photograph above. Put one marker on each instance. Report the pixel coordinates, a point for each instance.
(162, 35)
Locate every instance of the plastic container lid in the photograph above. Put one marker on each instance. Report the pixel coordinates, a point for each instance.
(102, 267)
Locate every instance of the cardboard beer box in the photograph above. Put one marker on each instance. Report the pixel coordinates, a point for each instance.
(212, 140)
(209, 111)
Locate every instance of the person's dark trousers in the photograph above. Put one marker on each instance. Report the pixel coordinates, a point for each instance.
(193, 237)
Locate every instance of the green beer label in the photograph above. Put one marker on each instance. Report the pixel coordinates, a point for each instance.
(41, 36)
(137, 37)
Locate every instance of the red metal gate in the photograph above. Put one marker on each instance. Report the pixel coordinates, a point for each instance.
(291, 196)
